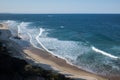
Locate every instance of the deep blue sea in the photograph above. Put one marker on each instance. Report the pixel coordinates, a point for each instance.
(89, 41)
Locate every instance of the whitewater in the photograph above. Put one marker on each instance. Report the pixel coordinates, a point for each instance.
(104, 53)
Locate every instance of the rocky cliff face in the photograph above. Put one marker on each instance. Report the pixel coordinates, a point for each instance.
(15, 69)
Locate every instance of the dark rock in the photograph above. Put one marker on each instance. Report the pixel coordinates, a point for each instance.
(17, 37)
(1, 25)
(15, 69)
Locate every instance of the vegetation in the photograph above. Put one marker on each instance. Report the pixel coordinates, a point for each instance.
(15, 69)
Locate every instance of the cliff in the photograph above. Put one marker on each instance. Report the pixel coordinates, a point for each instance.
(15, 69)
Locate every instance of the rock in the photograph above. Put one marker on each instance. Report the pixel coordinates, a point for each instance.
(17, 37)
(1, 25)
(35, 78)
(12, 68)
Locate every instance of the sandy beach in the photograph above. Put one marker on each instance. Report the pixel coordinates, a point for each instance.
(49, 61)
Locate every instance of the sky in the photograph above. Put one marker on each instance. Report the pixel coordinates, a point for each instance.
(59, 6)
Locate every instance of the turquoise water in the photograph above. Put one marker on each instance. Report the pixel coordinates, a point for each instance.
(89, 41)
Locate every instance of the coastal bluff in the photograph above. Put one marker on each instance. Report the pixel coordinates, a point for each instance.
(12, 68)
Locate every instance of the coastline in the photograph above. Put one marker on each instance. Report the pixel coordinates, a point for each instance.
(13, 68)
(53, 62)
(61, 65)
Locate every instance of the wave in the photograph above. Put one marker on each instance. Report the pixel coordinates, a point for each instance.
(22, 29)
(18, 28)
(104, 53)
(12, 26)
(32, 42)
(37, 38)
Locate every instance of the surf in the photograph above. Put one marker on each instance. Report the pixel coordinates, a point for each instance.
(37, 38)
(23, 30)
(104, 53)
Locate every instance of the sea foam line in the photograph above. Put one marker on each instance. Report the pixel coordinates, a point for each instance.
(37, 38)
(31, 41)
(104, 53)
(19, 29)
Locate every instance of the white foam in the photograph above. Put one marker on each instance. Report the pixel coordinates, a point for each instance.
(63, 49)
(61, 26)
(37, 38)
(12, 25)
(44, 48)
(10, 22)
(22, 30)
(18, 28)
(32, 42)
(58, 46)
(104, 53)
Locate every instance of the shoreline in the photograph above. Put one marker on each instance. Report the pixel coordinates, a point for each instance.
(54, 63)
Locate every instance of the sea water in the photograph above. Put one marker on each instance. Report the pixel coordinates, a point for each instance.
(89, 41)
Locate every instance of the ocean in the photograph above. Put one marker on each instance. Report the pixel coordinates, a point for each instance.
(88, 41)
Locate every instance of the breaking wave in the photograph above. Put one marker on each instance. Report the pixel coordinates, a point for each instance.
(104, 53)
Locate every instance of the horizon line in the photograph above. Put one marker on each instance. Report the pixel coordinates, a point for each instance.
(55, 13)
